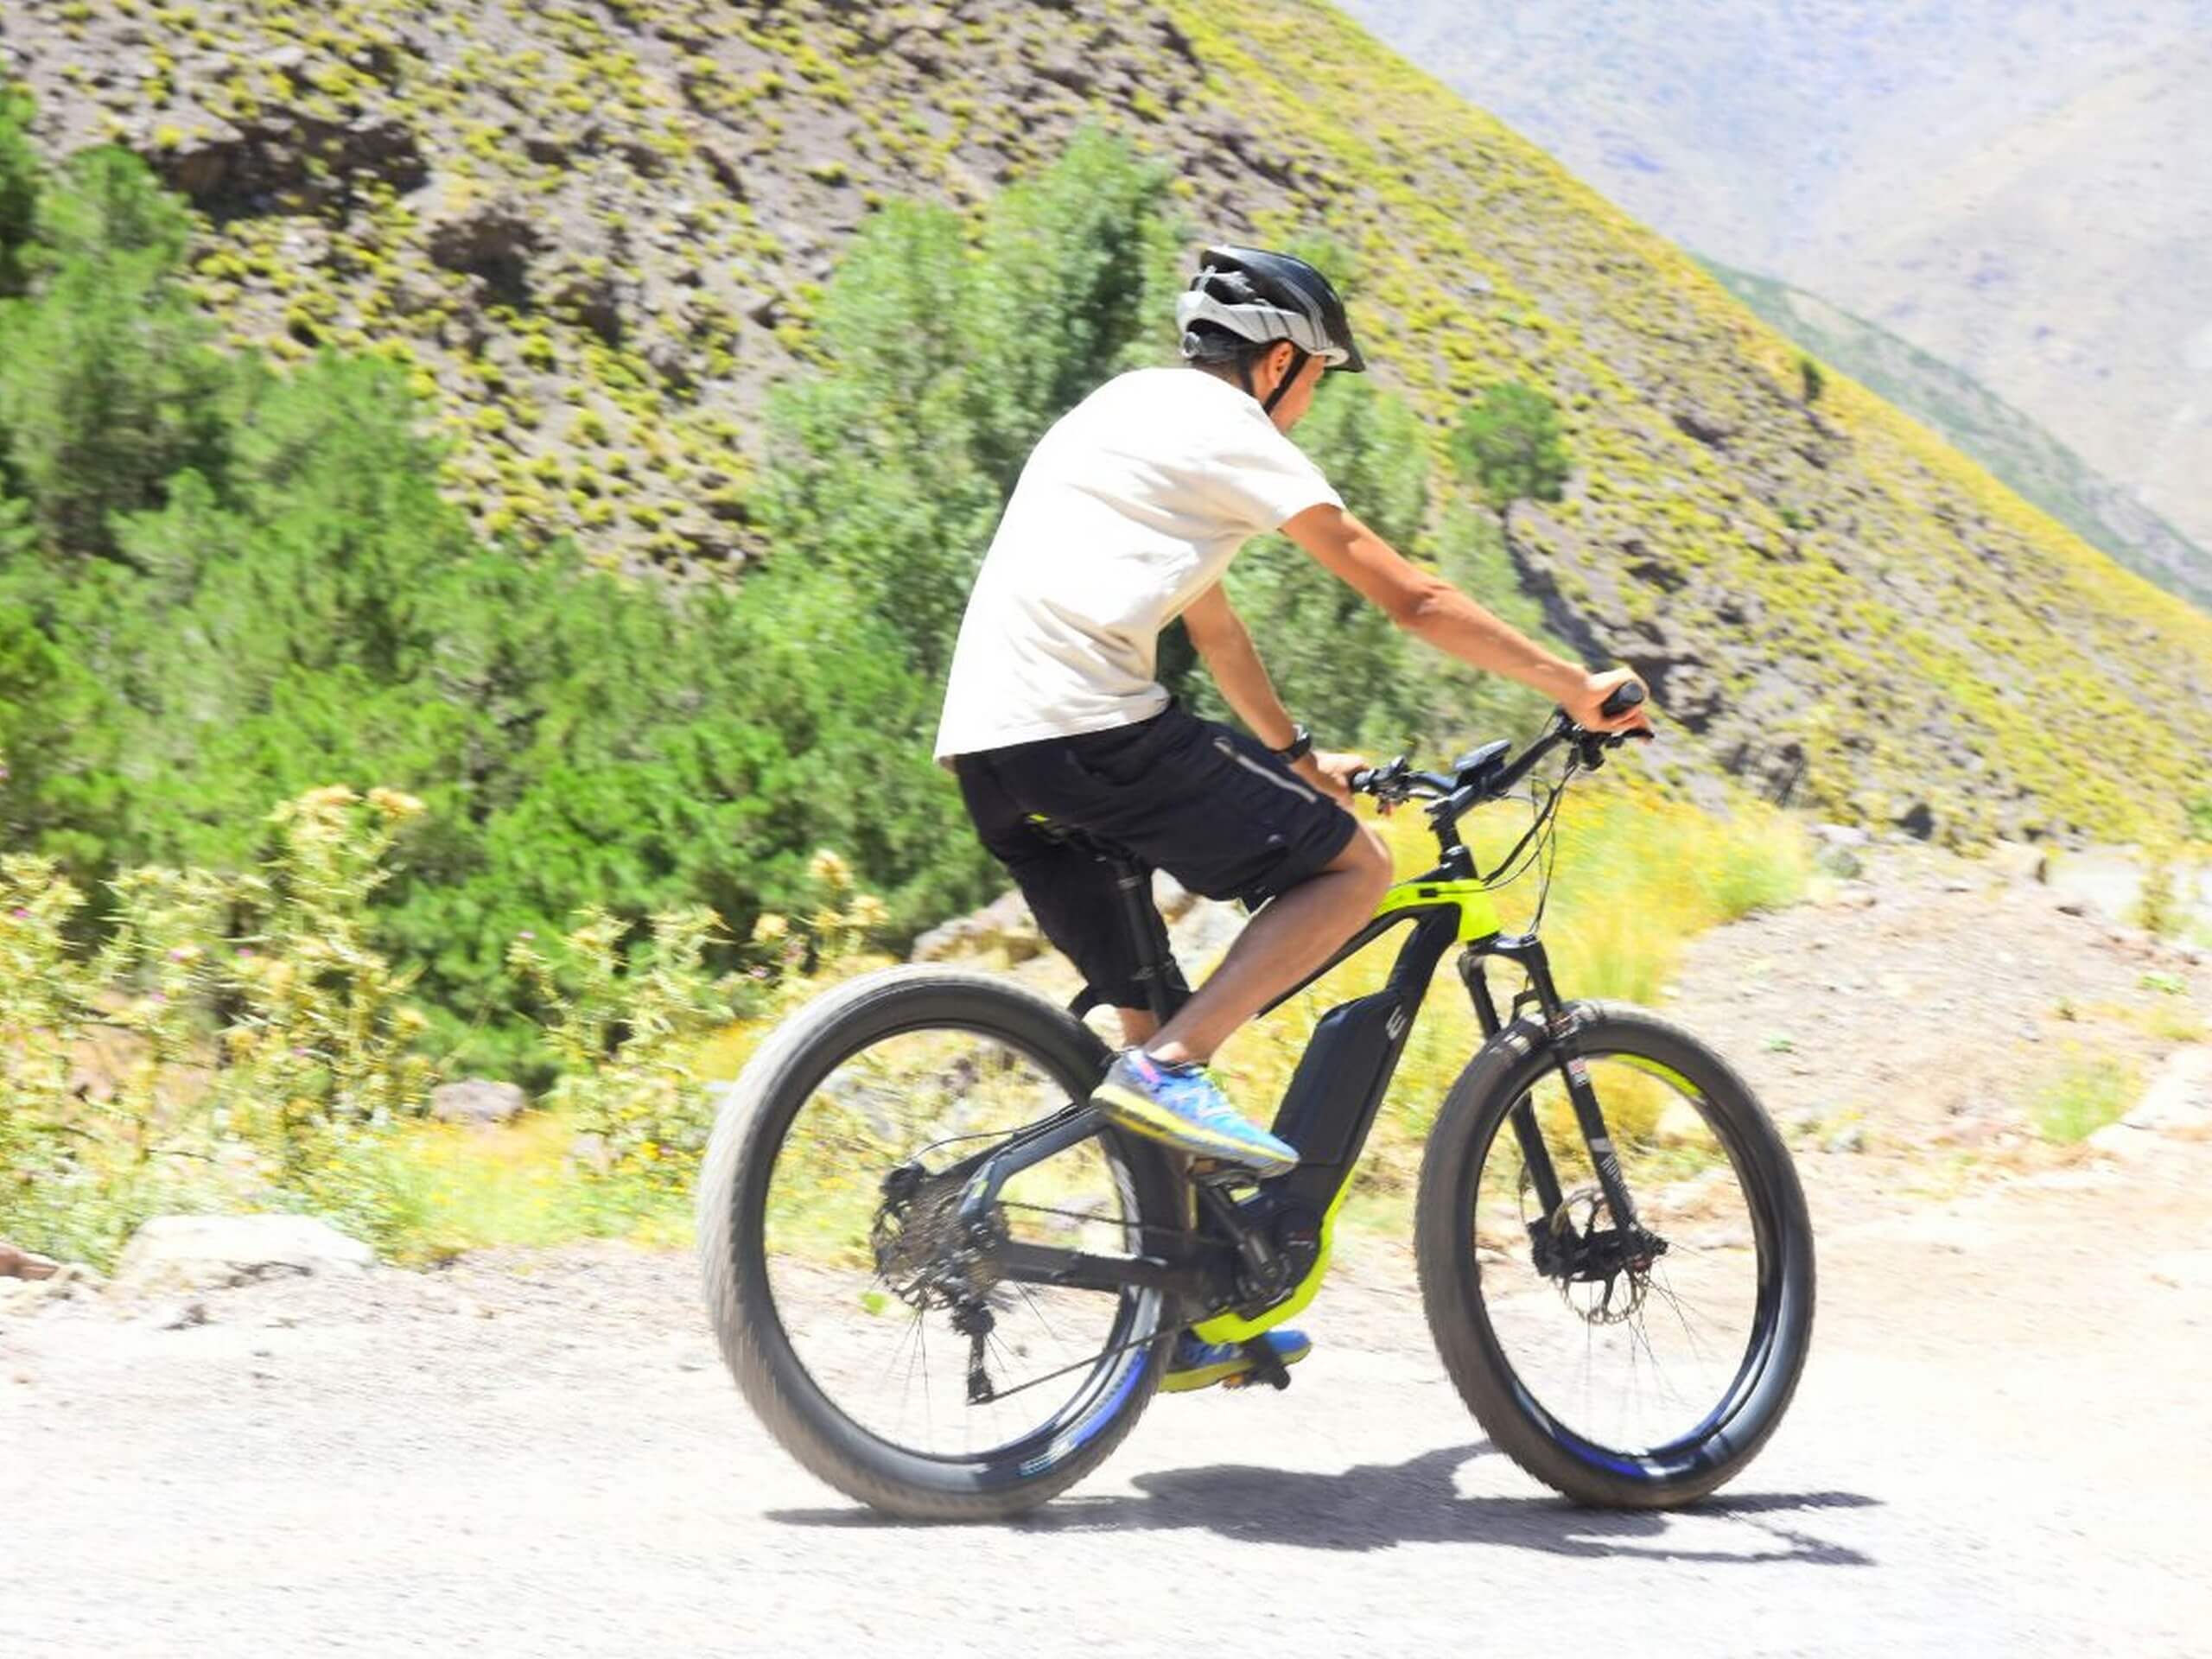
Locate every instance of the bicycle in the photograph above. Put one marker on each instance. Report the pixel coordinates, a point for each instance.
(912, 1152)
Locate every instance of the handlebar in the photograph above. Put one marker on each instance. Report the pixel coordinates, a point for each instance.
(1486, 775)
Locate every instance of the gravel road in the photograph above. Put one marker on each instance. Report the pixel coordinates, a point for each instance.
(1999, 1448)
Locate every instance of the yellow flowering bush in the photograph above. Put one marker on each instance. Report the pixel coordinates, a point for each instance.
(185, 1065)
(628, 1029)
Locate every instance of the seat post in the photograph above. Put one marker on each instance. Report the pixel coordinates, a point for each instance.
(1164, 990)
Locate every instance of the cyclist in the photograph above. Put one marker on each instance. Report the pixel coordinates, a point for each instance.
(1126, 516)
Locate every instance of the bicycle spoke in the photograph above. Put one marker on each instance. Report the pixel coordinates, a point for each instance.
(837, 1247)
(1635, 1381)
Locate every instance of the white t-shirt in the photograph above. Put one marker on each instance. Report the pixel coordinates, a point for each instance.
(1128, 509)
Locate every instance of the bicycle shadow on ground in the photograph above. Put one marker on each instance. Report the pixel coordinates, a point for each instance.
(1375, 1506)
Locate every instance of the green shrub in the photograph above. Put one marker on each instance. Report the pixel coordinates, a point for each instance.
(1509, 446)
(2159, 906)
(2083, 1097)
(19, 187)
(109, 382)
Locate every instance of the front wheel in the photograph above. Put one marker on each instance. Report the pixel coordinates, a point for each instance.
(866, 1326)
(1627, 1366)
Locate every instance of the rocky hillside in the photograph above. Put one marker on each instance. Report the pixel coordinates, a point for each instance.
(597, 229)
(1962, 411)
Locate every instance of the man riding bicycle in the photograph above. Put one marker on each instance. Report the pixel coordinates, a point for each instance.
(1126, 516)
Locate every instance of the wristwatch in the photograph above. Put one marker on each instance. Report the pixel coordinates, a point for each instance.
(1300, 745)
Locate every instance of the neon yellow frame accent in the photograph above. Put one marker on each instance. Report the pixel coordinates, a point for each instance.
(1478, 920)
(1478, 908)
(1235, 1327)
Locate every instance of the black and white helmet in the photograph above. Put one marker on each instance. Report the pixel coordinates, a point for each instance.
(1252, 297)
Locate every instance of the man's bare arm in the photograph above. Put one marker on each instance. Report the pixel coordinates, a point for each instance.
(1220, 636)
(1432, 610)
(1225, 645)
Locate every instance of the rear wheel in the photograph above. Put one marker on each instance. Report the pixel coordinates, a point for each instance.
(1636, 1367)
(863, 1325)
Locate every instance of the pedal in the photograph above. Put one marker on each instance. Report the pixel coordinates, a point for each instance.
(1219, 1172)
(1266, 1367)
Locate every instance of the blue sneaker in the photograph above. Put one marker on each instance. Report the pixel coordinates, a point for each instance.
(1201, 1365)
(1182, 1107)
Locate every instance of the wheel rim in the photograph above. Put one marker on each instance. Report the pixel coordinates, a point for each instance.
(1640, 1371)
(874, 1308)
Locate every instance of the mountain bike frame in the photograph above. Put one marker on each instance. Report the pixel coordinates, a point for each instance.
(1256, 1261)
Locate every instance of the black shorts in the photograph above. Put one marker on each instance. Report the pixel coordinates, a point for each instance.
(1213, 807)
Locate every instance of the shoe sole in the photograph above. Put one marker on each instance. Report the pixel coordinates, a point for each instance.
(1206, 1376)
(1141, 1116)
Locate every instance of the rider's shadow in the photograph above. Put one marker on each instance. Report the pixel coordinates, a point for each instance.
(1374, 1506)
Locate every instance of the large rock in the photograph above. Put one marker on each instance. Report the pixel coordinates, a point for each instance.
(1006, 922)
(477, 1100)
(2179, 1100)
(2178, 1105)
(211, 1252)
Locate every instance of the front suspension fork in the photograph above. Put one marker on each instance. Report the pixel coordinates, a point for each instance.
(1558, 1026)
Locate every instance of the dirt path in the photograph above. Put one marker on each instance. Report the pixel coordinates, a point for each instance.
(1997, 1448)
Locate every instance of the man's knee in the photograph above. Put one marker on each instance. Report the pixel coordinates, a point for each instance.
(1366, 857)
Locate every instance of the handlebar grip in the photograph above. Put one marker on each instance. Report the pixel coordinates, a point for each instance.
(1359, 782)
(1625, 697)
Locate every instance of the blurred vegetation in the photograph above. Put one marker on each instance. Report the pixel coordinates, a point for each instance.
(228, 578)
(223, 582)
(1509, 445)
(2088, 1092)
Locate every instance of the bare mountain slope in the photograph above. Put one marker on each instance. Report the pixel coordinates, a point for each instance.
(2019, 450)
(594, 231)
(2022, 190)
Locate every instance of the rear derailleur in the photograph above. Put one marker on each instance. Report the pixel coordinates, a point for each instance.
(929, 1258)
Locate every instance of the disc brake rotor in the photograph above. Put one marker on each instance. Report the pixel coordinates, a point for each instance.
(1603, 1274)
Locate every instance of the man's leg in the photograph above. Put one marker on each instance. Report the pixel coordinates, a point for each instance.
(1138, 1026)
(1291, 937)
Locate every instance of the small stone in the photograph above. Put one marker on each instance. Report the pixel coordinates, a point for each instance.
(21, 1264)
(1973, 1132)
(2021, 861)
(1852, 1137)
(1680, 1123)
(1841, 862)
(185, 1317)
(2125, 1140)
(477, 1100)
